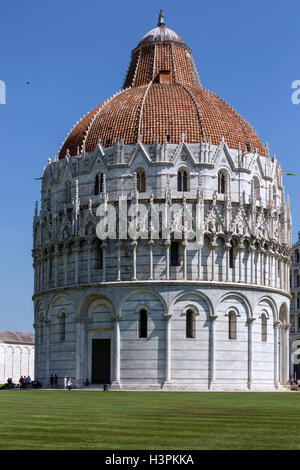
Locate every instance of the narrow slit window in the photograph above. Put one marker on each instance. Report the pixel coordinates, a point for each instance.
(99, 184)
(174, 258)
(143, 324)
(190, 324)
(232, 324)
(264, 332)
(62, 327)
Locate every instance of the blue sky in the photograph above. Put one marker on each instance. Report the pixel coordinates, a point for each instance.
(75, 54)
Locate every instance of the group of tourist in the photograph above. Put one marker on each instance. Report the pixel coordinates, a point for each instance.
(53, 381)
(295, 383)
(67, 383)
(25, 381)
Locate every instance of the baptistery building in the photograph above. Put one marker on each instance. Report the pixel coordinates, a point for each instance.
(162, 244)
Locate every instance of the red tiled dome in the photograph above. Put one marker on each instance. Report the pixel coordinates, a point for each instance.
(162, 99)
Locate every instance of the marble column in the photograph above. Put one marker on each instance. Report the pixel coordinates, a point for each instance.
(276, 354)
(168, 351)
(250, 351)
(47, 352)
(252, 251)
(286, 349)
(212, 348)
(167, 245)
(199, 261)
(76, 253)
(119, 245)
(89, 267)
(134, 247)
(80, 355)
(240, 249)
(184, 245)
(276, 271)
(227, 250)
(66, 251)
(104, 249)
(213, 247)
(262, 277)
(116, 384)
(270, 269)
(56, 261)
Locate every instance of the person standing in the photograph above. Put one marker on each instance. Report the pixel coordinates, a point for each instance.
(55, 381)
(69, 383)
(51, 381)
(65, 382)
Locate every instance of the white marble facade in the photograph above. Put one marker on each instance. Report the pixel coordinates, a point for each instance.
(86, 289)
(16, 356)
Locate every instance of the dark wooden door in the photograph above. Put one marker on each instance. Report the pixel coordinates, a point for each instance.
(101, 361)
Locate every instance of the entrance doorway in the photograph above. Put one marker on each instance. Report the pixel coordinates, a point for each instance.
(101, 361)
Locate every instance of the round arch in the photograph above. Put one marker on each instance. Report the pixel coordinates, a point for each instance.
(270, 302)
(142, 291)
(241, 299)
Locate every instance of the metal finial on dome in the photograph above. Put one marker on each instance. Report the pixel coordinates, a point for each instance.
(161, 19)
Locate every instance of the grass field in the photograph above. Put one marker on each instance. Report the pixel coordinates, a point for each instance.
(146, 420)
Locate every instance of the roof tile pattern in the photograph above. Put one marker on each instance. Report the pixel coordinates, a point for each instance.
(161, 111)
(16, 337)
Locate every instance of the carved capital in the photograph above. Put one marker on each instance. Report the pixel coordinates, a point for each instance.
(116, 318)
(212, 318)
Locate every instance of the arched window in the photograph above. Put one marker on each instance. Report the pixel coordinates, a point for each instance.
(143, 323)
(298, 302)
(232, 254)
(98, 184)
(221, 182)
(232, 325)
(141, 180)
(68, 192)
(264, 332)
(99, 256)
(256, 188)
(174, 254)
(190, 324)
(62, 327)
(297, 258)
(182, 180)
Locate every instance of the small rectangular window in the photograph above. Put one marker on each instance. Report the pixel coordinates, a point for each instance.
(164, 76)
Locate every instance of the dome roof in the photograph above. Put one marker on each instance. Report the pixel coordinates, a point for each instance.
(161, 100)
(160, 34)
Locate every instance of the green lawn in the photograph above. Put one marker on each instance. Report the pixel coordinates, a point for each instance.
(148, 420)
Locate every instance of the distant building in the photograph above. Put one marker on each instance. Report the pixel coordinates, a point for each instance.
(16, 355)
